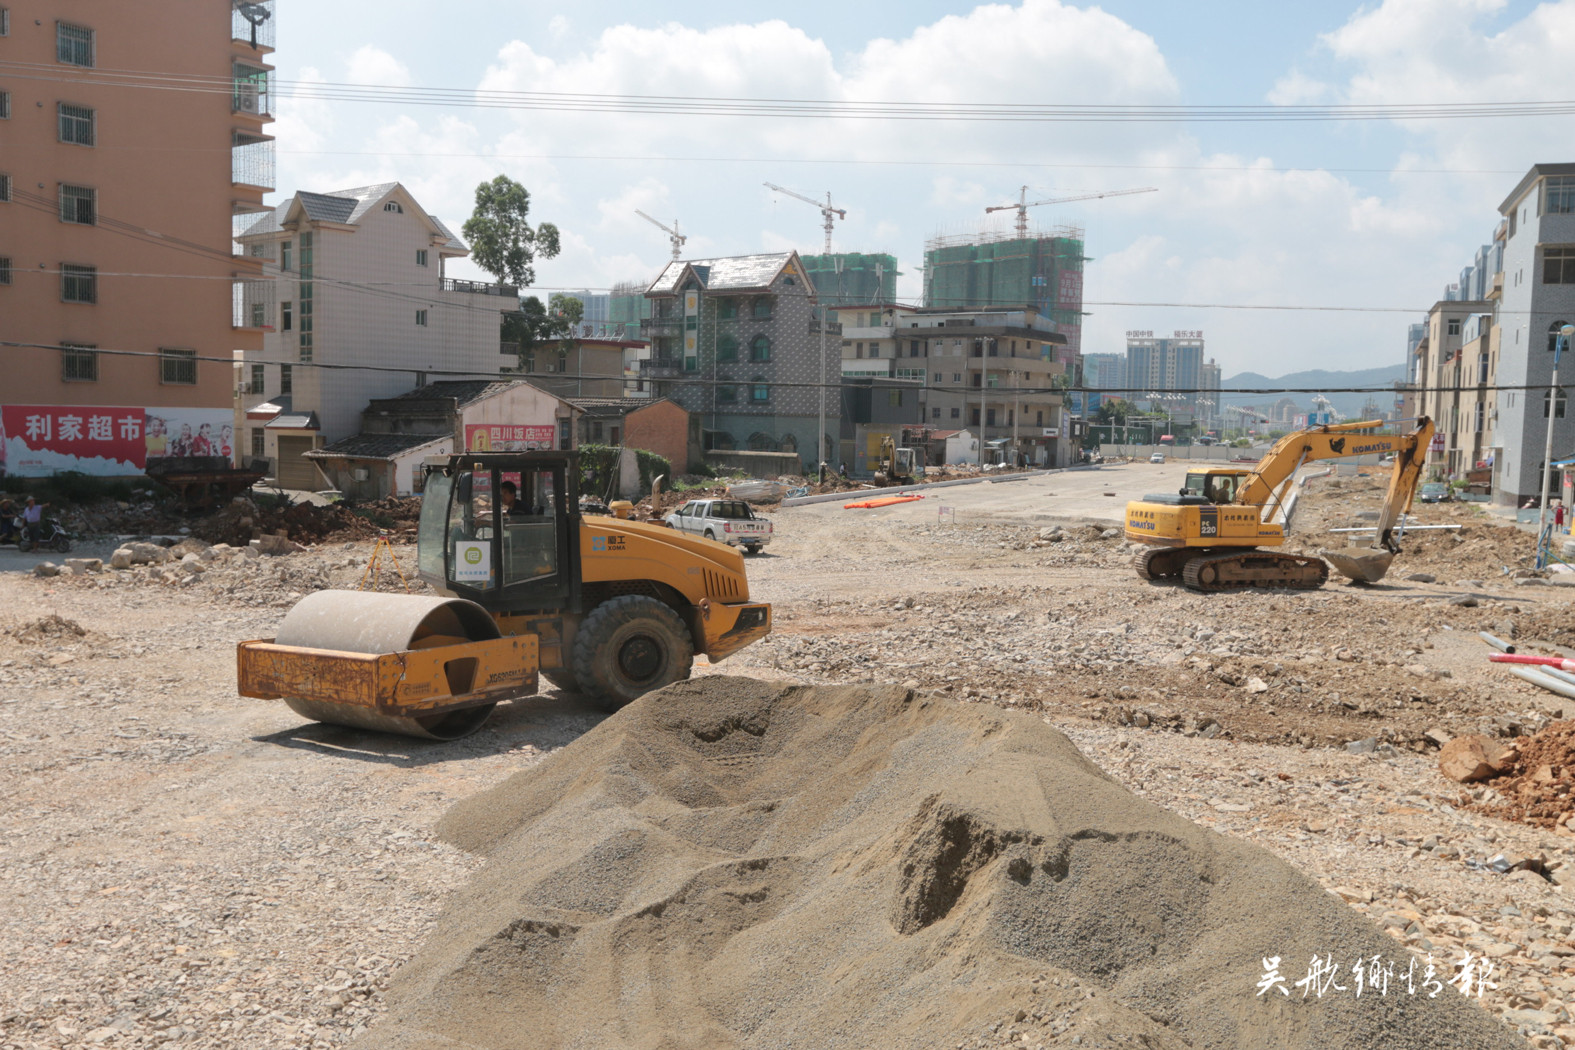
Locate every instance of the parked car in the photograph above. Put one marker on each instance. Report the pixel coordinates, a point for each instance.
(1436, 492)
(729, 521)
(1158, 457)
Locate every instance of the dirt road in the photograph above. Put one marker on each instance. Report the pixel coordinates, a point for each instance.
(179, 866)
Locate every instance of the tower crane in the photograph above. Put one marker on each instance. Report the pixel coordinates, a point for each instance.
(673, 235)
(826, 210)
(1023, 203)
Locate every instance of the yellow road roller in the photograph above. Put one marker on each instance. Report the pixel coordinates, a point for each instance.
(603, 606)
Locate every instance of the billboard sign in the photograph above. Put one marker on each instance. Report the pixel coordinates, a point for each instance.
(508, 437)
(37, 441)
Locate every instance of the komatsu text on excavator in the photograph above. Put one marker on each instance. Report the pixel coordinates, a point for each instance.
(604, 606)
(1210, 533)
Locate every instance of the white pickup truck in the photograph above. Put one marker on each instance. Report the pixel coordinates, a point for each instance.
(729, 521)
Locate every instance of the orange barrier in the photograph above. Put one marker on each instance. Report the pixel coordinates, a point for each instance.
(884, 501)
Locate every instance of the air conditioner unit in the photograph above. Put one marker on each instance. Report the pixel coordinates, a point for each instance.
(246, 98)
(361, 474)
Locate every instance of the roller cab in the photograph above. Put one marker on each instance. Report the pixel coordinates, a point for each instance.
(603, 606)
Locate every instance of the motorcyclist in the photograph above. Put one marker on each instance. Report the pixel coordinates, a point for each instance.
(33, 520)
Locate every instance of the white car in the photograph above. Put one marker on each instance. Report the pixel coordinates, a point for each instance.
(1158, 457)
(729, 521)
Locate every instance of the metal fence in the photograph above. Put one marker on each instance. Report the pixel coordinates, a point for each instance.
(252, 22)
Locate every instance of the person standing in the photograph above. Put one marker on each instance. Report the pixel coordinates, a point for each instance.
(1558, 515)
(33, 519)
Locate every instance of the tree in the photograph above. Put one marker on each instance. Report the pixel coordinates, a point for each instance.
(536, 326)
(502, 241)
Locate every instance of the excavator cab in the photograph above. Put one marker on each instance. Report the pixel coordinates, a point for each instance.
(1213, 486)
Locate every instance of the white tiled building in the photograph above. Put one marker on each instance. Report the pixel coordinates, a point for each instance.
(355, 278)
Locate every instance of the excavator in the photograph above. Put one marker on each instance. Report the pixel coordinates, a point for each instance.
(526, 586)
(1211, 533)
(897, 466)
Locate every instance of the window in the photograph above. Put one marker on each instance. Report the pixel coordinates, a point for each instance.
(78, 284)
(258, 448)
(1558, 266)
(177, 367)
(284, 256)
(73, 44)
(76, 124)
(1482, 367)
(1553, 336)
(257, 385)
(286, 316)
(874, 350)
(421, 256)
(1481, 416)
(691, 363)
(760, 349)
(259, 315)
(5, 269)
(1559, 194)
(78, 363)
(894, 398)
(421, 318)
(306, 330)
(5, 188)
(394, 207)
(913, 348)
(78, 204)
(286, 379)
(5, 105)
(5, 22)
(935, 413)
(763, 308)
(258, 251)
(726, 348)
(858, 351)
(989, 418)
(726, 309)
(759, 391)
(727, 393)
(1453, 325)
(973, 417)
(956, 413)
(1558, 409)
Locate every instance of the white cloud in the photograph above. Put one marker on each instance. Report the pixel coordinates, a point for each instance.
(1297, 89)
(372, 65)
(558, 27)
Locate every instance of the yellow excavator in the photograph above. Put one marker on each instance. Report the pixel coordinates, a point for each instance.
(897, 466)
(1210, 533)
(526, 585)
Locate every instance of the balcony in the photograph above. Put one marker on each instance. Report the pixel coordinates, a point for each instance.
(450, 284)
(252, 305)
(661, 326)
(1496, 292)
(249, 92)
(252, 24)
(251, 160)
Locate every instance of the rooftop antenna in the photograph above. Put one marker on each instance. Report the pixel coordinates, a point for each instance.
(826, 210)
(1023, 203)
(673, 235)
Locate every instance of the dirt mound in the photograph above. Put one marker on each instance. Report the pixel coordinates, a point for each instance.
(51, 628)
(241, 521)
(734, 863)
(1538, 789)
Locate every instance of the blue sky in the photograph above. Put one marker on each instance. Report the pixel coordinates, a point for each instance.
(1373, 214)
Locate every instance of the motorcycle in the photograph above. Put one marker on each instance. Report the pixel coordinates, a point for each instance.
(51, 534)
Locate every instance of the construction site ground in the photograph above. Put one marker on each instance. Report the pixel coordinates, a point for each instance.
(182, 867)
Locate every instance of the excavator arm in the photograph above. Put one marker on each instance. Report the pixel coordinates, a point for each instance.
(1266, 486)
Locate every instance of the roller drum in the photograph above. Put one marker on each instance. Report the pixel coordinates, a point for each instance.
(361, 622)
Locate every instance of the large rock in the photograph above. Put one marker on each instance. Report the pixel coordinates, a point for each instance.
(81, 566)
(740, 864)
(271, 544)
(122, 558)
(1474, 757)
(46, 568)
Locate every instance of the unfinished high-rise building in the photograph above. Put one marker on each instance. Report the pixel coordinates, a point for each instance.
(853, 278)
(998, 268)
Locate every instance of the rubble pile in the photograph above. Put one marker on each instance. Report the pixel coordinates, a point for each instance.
(47, 630)
(243, 520)
(1537, 785)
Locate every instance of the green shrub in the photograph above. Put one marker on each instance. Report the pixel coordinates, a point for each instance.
(599, 466)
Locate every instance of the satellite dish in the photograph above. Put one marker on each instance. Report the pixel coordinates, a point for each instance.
(255, 14)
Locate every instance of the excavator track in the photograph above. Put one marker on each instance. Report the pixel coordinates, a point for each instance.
(1160, 563)
(1239, 570)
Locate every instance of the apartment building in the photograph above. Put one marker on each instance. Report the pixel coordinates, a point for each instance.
(585, 366)
(356, 307)
(1535, 293)
(1452, 367)
(736, 342)
(117, 272)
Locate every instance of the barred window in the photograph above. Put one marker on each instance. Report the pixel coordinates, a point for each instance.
(76, 124)
(5, 187)
(5, 269)
(78, 284)
(1558, 266)
(258, 384)
(258, 448)
(177, 367)
(5, 105)
(5, 22)
(78, 363)
(78, 204)
(73, 44)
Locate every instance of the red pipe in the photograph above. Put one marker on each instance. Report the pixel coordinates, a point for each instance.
(1525, 658)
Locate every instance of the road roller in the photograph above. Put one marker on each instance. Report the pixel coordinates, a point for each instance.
(526, 587)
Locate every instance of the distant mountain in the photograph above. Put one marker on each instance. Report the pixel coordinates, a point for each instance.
(1316, 379)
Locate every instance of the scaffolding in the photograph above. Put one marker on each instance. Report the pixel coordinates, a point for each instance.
(996, 267)
(852, 278)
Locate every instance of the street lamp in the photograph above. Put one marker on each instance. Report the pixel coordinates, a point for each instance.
(1559, 344)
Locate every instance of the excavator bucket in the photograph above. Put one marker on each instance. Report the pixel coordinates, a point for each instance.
(1362, 564)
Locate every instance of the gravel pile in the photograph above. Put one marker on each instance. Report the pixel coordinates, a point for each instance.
(736, 863)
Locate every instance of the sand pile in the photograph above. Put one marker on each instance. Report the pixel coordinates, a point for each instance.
(733, 863)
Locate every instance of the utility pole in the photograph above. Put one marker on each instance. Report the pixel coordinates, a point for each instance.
(1559, 345)
(984, 387)
(1016, 411)
(820, 431)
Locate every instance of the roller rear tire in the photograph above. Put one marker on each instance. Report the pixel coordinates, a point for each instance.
(629, 646)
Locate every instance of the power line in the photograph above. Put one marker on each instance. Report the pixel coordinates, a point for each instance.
(798, 108)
